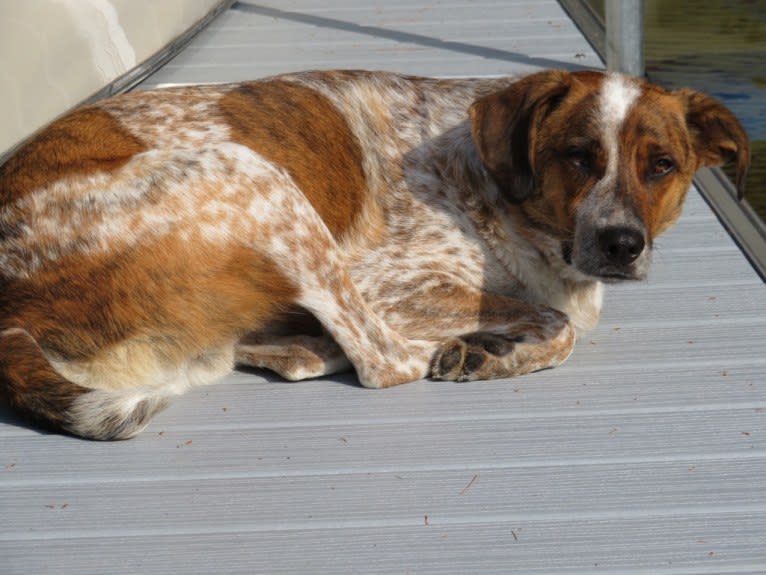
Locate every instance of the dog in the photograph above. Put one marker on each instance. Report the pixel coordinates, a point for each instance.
(311, 223)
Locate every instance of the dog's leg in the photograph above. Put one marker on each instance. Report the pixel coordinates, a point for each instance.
(488, 336)
(285, 227)
(504, 352)
(380, 355)
(294, 357)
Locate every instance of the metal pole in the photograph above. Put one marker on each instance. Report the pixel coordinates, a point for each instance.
(625, 36)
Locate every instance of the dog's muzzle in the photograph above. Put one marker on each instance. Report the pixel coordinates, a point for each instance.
(610, 240)
(611, 253)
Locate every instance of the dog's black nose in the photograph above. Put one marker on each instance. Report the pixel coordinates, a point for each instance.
(621, 245)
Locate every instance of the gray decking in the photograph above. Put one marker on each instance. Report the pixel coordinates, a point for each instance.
(645, 453)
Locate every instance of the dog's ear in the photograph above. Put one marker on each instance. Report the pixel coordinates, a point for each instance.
(717, 136)
(504, 125)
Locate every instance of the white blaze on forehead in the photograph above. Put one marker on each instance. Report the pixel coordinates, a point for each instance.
(617, 96)
(618, 93)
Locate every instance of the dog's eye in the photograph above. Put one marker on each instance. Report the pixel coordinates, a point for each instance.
(662, 166)
(578, 157)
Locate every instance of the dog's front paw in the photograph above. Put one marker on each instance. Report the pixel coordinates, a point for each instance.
(486, 355)
(469, 356)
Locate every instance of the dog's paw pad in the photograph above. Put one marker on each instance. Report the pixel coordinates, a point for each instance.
(472, 363)
(449, 360)
(470, 356)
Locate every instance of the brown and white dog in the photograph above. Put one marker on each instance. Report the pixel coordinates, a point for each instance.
(405, 227)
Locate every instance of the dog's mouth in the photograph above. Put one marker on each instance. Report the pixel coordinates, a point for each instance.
(597, 269)
(616, 277)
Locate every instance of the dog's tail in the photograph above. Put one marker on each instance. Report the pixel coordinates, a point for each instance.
(33, 388)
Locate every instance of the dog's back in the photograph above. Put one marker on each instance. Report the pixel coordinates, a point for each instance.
(127, 260)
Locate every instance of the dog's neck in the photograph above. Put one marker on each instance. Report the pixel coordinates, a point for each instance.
(525, 253)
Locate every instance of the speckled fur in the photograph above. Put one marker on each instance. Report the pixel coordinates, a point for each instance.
(314, 222)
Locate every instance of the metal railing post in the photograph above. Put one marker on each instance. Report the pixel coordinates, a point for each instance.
(625, 36)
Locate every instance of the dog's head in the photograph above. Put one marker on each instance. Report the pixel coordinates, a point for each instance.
(602, 162)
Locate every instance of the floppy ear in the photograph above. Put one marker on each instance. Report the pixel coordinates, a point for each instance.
(504, 125)
(717, 136)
